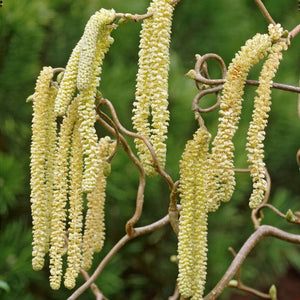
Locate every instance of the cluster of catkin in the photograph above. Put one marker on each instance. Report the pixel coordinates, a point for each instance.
(67, 164)
(151, 113)
(206, 178)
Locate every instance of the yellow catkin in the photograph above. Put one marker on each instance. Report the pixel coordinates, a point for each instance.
(222, 180)
(86, 108)
(152, 84)
(68, 84)
(58, 220)
(50, 151)
(192, 238)
(75, 211)
(256, 132)
(39, 199)
(94, 232)
(96, 26)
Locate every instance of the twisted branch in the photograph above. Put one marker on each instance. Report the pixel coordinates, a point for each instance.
(137, 232)
(262, 232)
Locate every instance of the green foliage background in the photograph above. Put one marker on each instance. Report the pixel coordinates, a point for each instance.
(37, 33)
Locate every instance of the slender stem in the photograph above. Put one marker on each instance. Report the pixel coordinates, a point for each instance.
(294, 32)
(265, 12)
(135, 18)
(280, 86)
(142, 180)
(175, 294)
(259, 234)
(162, 172)
(174, 2)
(242, 287)
(55, 70)
(98, 294)
(138, 231)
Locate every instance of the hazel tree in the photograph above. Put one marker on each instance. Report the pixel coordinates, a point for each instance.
(70, 164)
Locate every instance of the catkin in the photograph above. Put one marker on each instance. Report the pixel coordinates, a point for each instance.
(256, 132)
(192, 238)
(152, 84)
(58, 220)
(68, 84)
(75, 210)
(94, 232)
(222, 181)
(86, 109)
(41, 156)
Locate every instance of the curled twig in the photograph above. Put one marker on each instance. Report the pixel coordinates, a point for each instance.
(202, 60)
(200, 78)
(259, 234)
(55, 70)
(142, 180)
(157, 167)
(197, 108)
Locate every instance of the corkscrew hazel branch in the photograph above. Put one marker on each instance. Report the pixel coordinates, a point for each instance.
(162, 172)
(238, 284)
(262, 232)
(198, 77)
(142, 180)
(137, 232)
(265, 12)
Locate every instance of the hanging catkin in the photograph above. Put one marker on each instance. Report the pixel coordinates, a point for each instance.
(41, 180)
(222, 181)
(152, 84)
(192, 238)
(256, 132)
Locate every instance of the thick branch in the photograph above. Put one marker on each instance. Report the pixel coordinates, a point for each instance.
(259, 234)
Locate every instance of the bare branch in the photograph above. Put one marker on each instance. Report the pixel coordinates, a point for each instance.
(137, 232)
(265, 12)
(294, 32)
(162, 172)
(135, 18)
(142, 179)
(98, 294)
(259, 234)
(200, 78)
(238, 284)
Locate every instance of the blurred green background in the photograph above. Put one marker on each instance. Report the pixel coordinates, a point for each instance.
(39, 33)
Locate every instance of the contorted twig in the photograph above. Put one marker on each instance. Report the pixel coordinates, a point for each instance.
(98, 294)
(259, 234)
(265, 12)
(200, 78)
(238, 284)
(137, 232)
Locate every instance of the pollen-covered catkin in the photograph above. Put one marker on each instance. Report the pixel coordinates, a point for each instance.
(39, 149)
(192, 238)
(97, 27)
(222, 181)
(86, 109)
(58, 219)
(68, 84)
(94, 232)
(256, 132)
(75, 211)
(152, 84)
